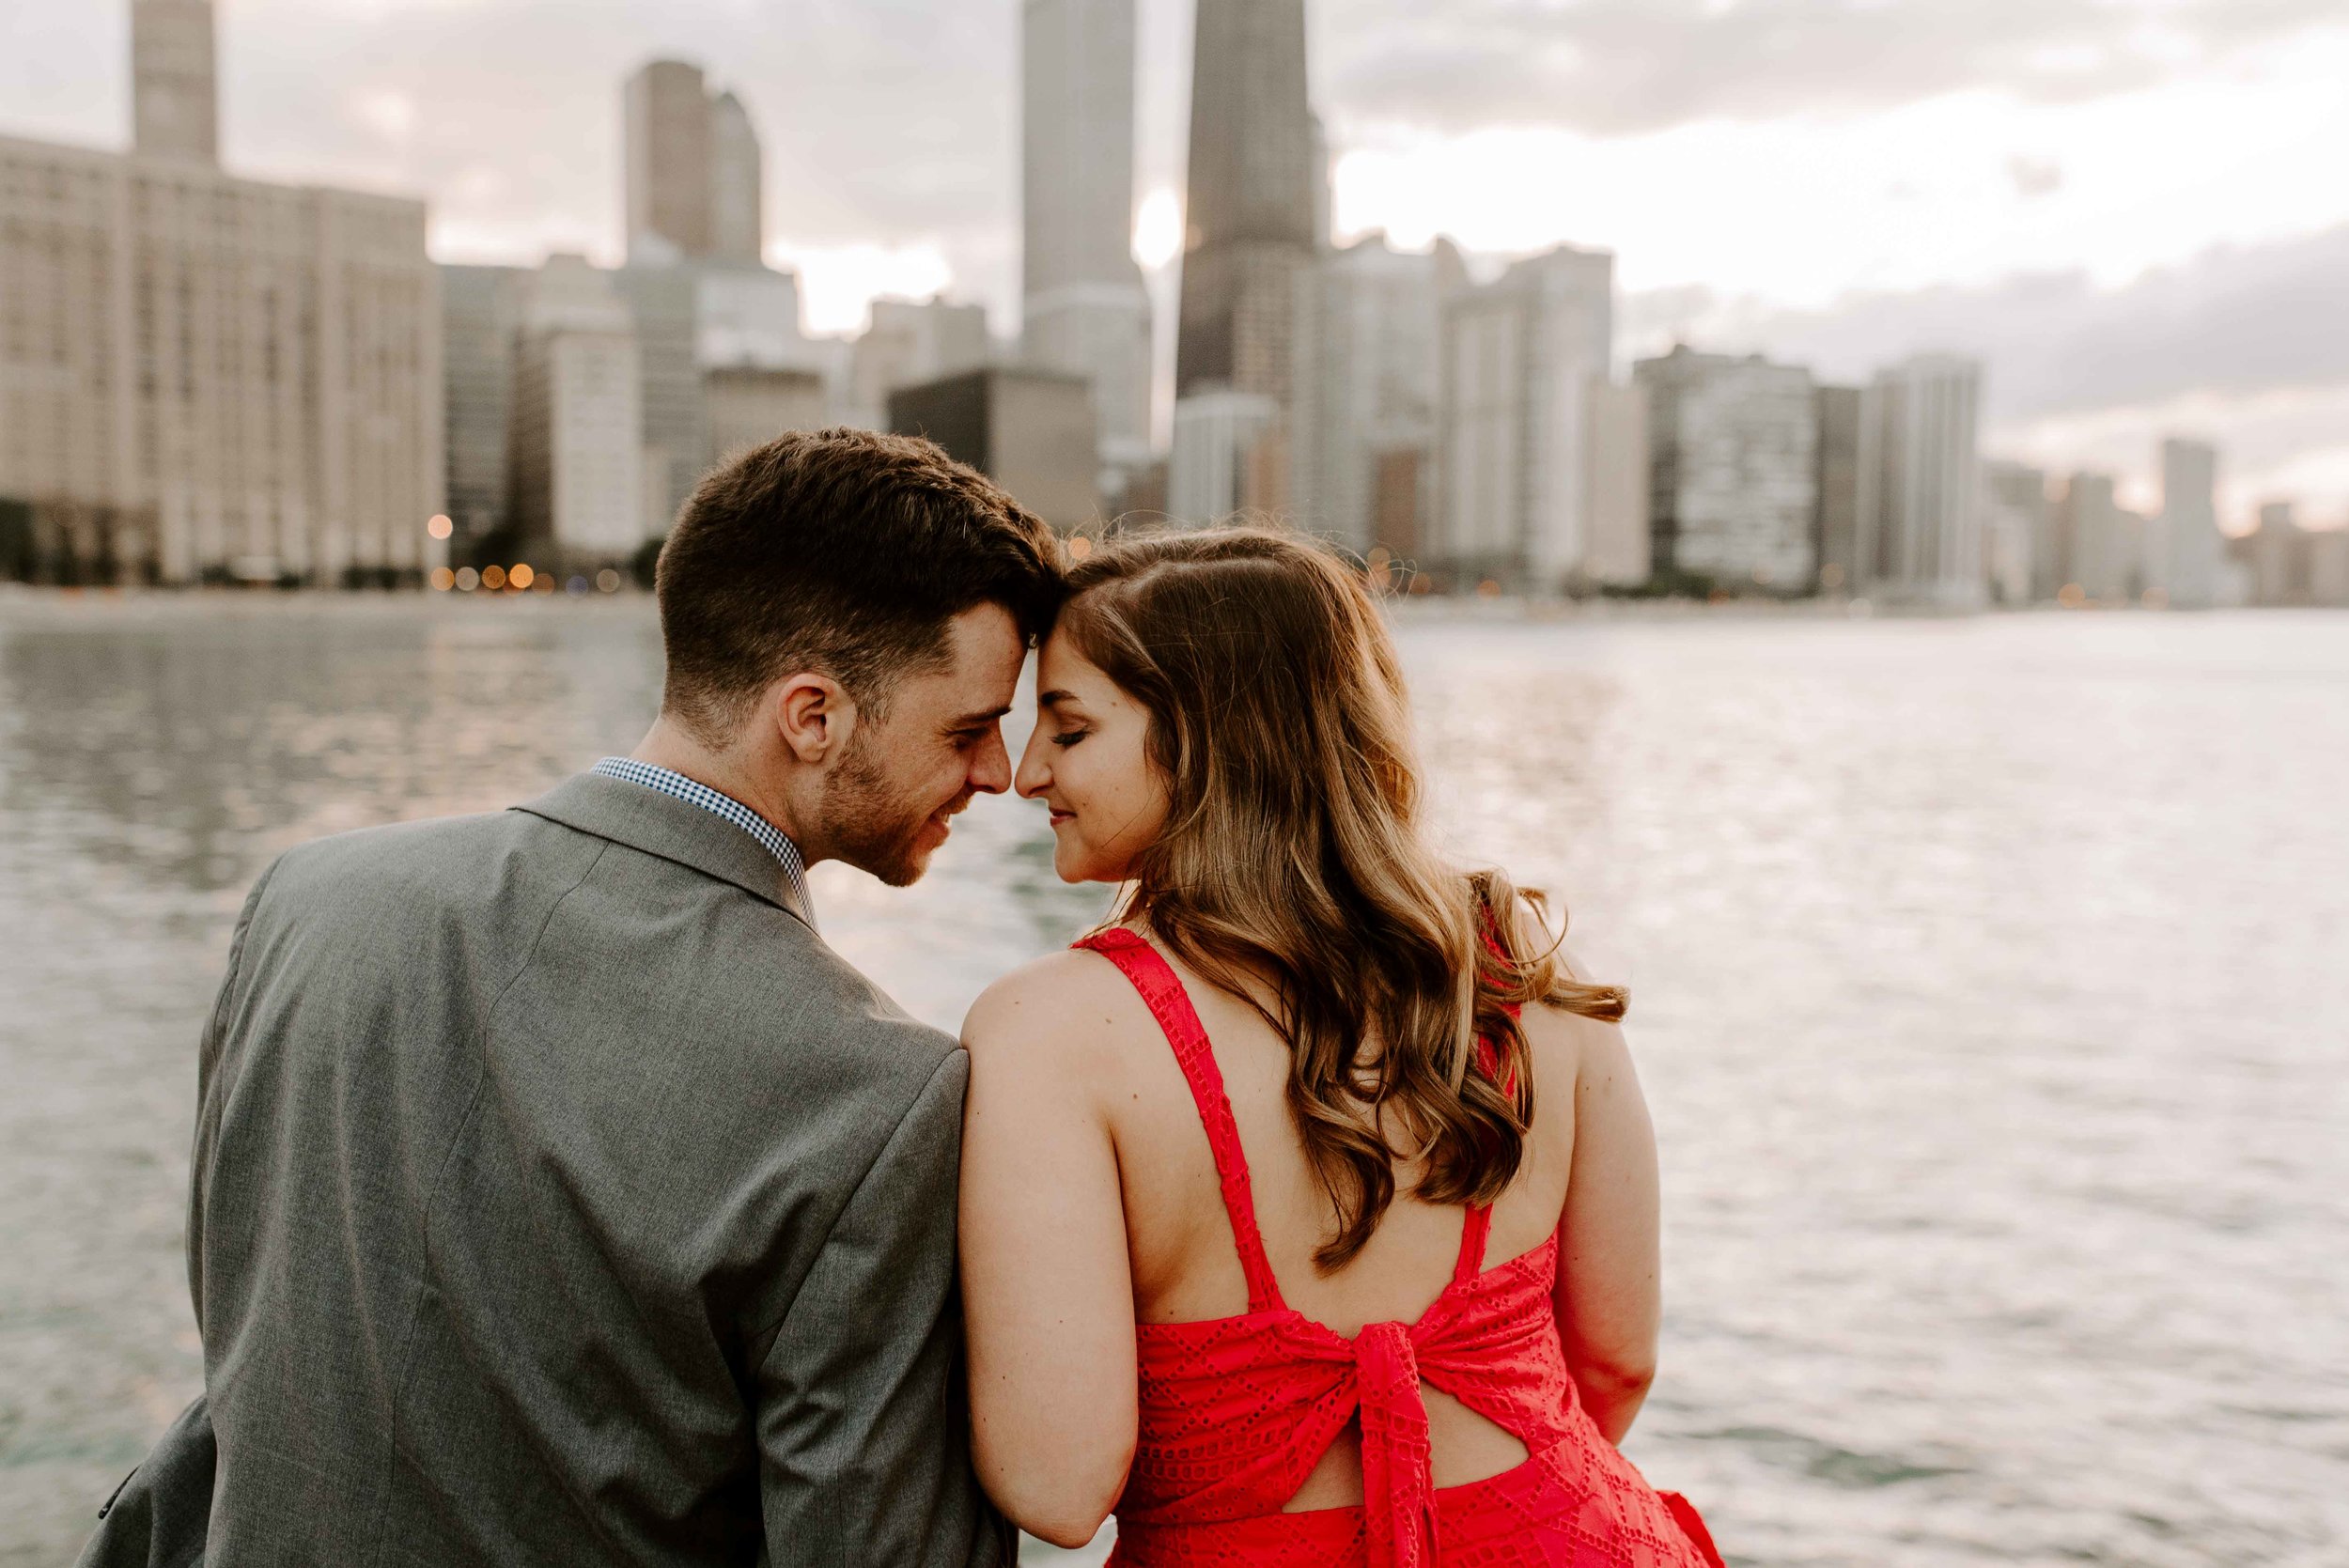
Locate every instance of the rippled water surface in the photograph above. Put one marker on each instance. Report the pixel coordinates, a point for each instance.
(1990, 982)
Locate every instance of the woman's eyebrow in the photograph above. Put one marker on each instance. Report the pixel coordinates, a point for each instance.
(1054, 698)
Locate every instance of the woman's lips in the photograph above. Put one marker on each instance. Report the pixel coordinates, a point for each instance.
(1060, 816)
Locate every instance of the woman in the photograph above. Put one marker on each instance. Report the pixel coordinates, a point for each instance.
(1371, 1277)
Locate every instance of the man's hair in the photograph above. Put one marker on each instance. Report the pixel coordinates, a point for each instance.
(843, 552)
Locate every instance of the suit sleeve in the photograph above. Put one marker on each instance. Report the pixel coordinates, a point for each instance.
(212, 1089)
(862, 1421)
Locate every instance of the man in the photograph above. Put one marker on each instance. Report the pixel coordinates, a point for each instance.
(559, 1196)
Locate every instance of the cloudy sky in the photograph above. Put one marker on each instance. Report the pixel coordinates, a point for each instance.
(2136, 210)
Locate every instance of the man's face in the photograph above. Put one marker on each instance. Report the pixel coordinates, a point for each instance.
(886, 804)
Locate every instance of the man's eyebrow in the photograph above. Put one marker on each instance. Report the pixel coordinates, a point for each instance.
(973, 721)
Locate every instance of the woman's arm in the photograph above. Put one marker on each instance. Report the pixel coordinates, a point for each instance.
(1609, 1305)
(1048, 1293)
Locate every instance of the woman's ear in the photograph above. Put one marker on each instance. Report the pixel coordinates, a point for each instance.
(813, 716)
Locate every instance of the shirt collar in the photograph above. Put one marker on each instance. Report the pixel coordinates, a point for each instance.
(671, 783)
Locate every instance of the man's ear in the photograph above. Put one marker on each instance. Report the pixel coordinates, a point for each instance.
(813, 716)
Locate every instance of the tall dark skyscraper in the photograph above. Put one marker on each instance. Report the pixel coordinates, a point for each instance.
(1250, 208)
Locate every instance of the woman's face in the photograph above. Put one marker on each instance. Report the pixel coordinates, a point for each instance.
(1089, 761)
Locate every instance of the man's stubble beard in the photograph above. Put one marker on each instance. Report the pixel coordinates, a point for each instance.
(871, 828)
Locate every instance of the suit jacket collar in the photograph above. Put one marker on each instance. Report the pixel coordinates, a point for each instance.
(675, 830)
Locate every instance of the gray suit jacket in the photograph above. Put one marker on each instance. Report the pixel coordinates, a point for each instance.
(561, 1198)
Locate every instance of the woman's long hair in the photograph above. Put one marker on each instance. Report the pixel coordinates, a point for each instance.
(1294, 861)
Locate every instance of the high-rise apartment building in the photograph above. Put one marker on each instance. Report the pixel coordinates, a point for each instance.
(2328, 567)
(2017, 534)
(1368, 330)
(577, 472)
(175, 80)
(207, 377)
(1250, 213)
(1621, 550)
(2185, 559)
(1085, 312)
(737, 199)
(1522, 358)
(1837, 530)
(1732, 449)
(480, 314)
(2280, 564)
(1920, 534)
(2100, 544)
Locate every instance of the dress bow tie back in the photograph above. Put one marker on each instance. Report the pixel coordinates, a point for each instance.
(1398, 1480)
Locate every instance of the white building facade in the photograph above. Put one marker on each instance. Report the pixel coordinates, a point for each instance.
(1520, 360)
(1368, 343)
(1920, 521)
(580, 482)
(204, 378)
(2185, 558)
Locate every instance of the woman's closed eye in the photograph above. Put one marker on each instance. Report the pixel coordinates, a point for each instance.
(1069, 737)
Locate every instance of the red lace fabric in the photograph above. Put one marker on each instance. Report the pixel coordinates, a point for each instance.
(1235, 1412)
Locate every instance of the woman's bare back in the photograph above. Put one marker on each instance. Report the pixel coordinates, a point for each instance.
(1186, 1265)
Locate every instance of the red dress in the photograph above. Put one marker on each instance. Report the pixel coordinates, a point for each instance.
(1235, 1412)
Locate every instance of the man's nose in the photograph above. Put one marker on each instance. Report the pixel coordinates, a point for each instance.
(990, 770)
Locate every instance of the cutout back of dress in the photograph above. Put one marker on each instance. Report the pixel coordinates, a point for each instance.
(1236, 1412)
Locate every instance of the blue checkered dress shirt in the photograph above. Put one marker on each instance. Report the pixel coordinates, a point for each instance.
(668, 781)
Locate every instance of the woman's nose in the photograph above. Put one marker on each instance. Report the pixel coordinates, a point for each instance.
(1035, 775)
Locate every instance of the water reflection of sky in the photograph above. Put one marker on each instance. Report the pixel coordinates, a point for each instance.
(1988, 983)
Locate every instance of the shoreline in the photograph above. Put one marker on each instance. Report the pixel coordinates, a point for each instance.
(21, 603)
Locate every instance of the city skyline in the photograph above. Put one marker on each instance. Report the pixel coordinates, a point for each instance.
(2122, 285)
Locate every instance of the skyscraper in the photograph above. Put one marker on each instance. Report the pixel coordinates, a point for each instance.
(1367, 335)
(2018, 533)
(2184, 564)
(2097, 545)
(175, 73)
(738, 202)
(1921, 482)
(1085, 311)
(1250, 208)
(1837, 530)
(480, 315)
(1522, 358)
(669, 163)
(1733, 448)
(579, 484)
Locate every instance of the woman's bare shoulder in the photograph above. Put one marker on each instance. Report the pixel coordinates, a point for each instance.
(1570, 1048)
(1068, 1001)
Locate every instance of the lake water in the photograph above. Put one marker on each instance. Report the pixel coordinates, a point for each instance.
(1990, 983)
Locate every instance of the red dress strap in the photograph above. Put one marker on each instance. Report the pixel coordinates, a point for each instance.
(1478, 1227)
(1162, 990)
